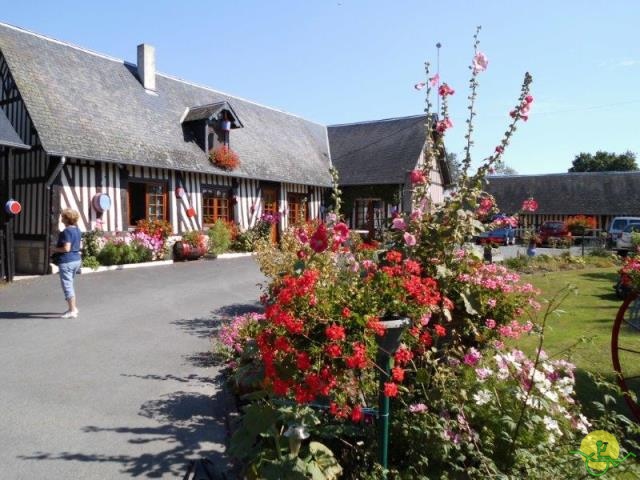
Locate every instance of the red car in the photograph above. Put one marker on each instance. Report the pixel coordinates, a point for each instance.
(553, 229)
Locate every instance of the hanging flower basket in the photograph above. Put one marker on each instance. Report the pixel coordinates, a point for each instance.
(224, 158)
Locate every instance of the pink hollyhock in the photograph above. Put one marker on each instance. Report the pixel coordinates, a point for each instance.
(499, 149)
(445, 90)
(528, 99)
(419, 85)
(398, 224)
(319, 240)
(434, 80)
(340, 232)
(480, 62)
(409, 239)
(417, 177)
(416, 215)
(302, 236)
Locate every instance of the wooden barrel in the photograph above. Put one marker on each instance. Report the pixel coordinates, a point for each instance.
(184, 251)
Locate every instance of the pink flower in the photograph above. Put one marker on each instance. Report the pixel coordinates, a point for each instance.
(319, 240)
(417, 177)
(340, 232)
(472, 357)
(409, 239)
(424, 320)
(483, 373)
(416, 214)
(498, 345)
(445, 90)
(418, 408)
(490, 323)
(528, 99)
(302, 236)
(434, 80)
(480, 62)
(492, 302)
(499, 149)
(529, 205)
(419, 85)
(398, 224)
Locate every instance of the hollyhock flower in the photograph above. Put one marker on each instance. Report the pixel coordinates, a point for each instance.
(416, 215)
(398, 224)
(445, 90)
(419, 85)
(499, 149)
(417, 408)
(417, 177)
(409, 239)
(528, 99)
(440, 330)
(434, 80)
(390, 389)
(490, 323)
(319, 240)
(340, 232)
(332, 218)
(302, 236)
(480, 62)
(335, 332)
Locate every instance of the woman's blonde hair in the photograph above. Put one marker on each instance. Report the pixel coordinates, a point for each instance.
(69, 216)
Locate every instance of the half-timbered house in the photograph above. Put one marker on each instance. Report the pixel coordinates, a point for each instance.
(374, 160)
(140, 140)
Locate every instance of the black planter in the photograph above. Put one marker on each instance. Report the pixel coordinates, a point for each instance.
(390, 341)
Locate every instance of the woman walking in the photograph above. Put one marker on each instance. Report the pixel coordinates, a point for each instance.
(67, 251)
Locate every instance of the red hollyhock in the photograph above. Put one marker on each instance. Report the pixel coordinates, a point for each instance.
(340, 232)
(390, 389)
(335, 332)
(319, 240)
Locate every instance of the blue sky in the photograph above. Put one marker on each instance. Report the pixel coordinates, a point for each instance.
(339, 61)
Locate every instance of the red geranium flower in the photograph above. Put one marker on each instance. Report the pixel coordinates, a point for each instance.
(335, 332)
(397, 374)
(356, 414)
(390, 389)
(440, 330)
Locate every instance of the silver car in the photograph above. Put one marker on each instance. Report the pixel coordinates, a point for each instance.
(623, 243)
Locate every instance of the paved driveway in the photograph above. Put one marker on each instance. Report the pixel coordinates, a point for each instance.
(128, 389)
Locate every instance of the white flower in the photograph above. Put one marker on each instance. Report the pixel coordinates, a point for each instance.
(482, 397)
(552, 425)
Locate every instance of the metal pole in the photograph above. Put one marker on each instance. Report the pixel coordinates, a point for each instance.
(383, 413)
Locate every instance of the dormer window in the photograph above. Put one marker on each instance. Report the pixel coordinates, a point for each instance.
(210, 125)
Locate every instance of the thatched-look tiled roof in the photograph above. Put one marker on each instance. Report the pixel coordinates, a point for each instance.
(593, 193)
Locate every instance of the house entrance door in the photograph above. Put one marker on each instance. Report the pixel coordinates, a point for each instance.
(270, 206)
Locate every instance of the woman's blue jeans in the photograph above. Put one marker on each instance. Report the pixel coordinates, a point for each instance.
(67, 272)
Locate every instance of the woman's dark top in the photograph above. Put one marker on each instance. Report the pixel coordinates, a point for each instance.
(71, 235)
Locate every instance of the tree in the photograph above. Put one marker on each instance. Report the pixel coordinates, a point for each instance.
(604, 162)
(454, 167)
(502, 168)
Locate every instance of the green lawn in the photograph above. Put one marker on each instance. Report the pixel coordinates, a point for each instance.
(588, 313)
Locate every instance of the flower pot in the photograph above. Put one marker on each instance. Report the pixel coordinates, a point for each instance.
(184, 251)
(393, 330)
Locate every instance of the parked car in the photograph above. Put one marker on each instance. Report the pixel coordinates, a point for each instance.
(623, 242)
(499, 236)
(553, 229)
(618, 224)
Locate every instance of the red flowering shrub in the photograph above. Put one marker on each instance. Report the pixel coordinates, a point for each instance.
(225, 158)
(579, 223)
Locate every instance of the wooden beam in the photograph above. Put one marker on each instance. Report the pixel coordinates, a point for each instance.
(8, 101)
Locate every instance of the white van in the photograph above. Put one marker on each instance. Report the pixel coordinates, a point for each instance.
(618, 224)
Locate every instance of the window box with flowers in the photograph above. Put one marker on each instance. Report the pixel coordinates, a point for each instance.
(225, 158)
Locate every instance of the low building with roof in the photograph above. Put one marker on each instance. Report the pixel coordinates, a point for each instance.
(374, 160)
(603, 195)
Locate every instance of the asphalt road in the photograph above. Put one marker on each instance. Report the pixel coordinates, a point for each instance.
(129, 388)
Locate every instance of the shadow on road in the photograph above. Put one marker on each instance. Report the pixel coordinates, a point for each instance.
(187, 421)
(205, 327)
(29, 315)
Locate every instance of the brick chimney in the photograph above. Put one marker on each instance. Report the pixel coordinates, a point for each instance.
(147, 66)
